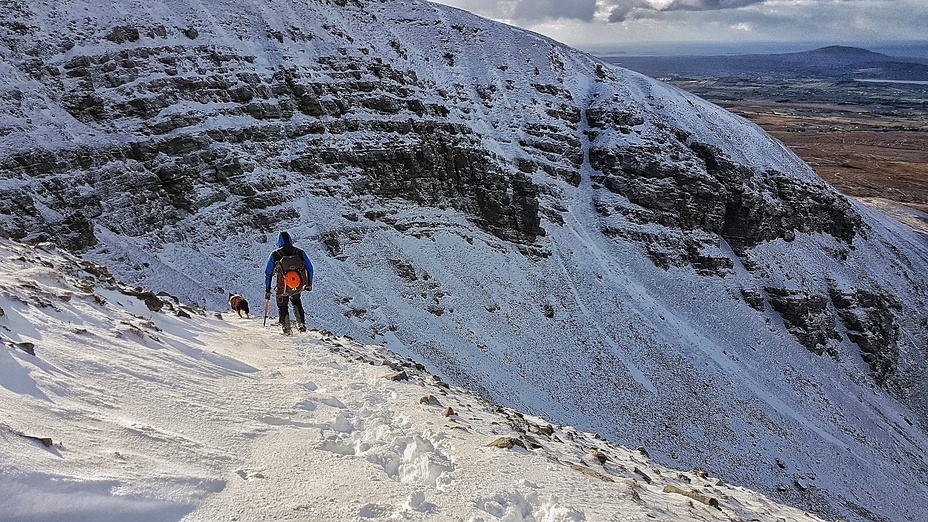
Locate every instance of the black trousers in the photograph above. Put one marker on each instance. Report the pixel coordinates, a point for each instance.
(283, 302)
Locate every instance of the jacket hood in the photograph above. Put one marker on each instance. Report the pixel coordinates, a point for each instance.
(284, 239)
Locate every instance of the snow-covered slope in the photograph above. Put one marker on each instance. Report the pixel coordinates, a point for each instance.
(566, 238)
(123, 413)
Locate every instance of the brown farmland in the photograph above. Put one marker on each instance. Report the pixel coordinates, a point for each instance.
(863, 155)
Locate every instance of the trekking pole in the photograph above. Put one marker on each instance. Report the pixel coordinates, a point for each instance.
(266, 301)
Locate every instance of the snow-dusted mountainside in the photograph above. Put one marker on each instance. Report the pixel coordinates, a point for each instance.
(566, 238)
(113, 411)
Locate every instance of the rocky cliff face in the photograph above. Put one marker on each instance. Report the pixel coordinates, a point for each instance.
(485, 199)
(156, 87)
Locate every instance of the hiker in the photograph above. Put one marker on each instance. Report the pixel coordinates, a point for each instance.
(294, 274)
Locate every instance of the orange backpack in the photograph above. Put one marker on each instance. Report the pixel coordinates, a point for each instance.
(293, 274)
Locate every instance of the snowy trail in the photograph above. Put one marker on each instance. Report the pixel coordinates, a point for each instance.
(333, 439)
(322, 414)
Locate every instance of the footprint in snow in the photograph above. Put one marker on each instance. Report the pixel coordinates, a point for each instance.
(249, 475)
(333, 402)
(375, 511)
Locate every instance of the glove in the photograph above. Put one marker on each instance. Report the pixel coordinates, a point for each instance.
(267, 294)
(309, 287)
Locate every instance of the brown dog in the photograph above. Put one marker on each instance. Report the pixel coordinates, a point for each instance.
(239, 305)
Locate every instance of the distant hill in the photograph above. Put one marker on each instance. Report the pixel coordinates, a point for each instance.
(832, 62)
(841, 51)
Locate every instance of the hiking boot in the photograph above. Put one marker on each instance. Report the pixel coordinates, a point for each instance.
(301, 327)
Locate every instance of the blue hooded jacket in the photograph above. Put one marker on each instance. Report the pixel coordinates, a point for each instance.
(286, 248)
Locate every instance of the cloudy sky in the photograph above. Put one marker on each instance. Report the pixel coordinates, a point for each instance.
(599, 25)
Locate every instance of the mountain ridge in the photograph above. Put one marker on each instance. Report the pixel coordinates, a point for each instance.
(844, 50)
(840, 63)
(565, 237)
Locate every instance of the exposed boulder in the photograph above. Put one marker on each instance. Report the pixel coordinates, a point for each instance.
(507, 443)
(870, 320)
(123, 33)
(807, 317)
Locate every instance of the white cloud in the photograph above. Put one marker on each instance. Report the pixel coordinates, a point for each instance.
(554, 9)
(621, 10)
(528, 10)
(495, 10)
(600, 23)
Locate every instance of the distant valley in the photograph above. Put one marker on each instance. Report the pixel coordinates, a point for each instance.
(859, 118)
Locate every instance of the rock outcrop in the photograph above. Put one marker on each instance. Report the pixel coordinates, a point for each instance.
(870, 322)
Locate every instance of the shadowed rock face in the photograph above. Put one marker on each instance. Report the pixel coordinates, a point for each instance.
(440, 174)
(870, 320)
(807, 317)
(703, 189)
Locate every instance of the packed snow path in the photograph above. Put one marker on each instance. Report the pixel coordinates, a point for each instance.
(176, 414)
